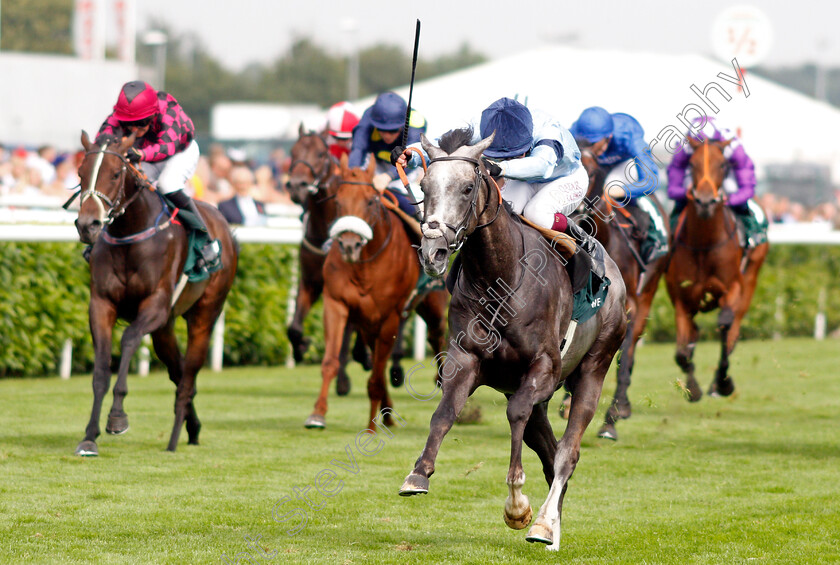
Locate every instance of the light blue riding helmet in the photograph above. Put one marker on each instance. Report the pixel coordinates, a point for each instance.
(593, 125)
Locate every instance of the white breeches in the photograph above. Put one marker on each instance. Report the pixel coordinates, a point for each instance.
(172, 174)
(539, 201)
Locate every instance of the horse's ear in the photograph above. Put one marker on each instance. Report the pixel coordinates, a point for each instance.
(343, 164)
(371, 170)
(301, 131)
(484, 144)
(724, 144)
(127, 142)
(693, 141)
(432, 150)
(85, 140)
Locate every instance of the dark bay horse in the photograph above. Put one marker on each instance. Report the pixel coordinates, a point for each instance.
(511, 308)
(137, 259)
(615, 232)
(310, 174)
(707, 269)
(369, 274)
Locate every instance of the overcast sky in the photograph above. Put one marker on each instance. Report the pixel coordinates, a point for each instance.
(243, 31)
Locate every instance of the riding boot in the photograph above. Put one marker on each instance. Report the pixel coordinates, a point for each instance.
(210, 253)
(588, 244)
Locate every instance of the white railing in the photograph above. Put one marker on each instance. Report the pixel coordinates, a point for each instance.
(19, 221)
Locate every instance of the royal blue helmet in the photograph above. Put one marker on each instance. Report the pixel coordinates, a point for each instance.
(388, 112)
(593, 125)
(513, 125)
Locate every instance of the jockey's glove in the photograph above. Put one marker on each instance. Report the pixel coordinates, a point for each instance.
(493, 168)
(134, 155)
(395, 154)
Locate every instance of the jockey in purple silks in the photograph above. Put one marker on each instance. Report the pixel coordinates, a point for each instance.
(739, 184)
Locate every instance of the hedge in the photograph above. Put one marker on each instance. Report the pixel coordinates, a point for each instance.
(44, 297)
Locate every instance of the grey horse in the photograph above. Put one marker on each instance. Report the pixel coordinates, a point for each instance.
(510, 328)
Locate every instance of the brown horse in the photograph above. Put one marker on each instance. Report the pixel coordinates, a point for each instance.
(138, 256)
(707, 269)
(616, 234)
(511, 308)
(310, 174)
(369, 273)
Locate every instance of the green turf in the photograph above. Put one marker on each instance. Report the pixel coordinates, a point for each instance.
(748, 479)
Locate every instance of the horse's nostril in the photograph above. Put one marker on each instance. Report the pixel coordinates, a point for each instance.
(95, 224)
(440, 255)
(433, 225)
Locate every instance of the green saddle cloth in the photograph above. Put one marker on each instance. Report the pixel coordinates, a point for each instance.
(195, 272)
(588, 300)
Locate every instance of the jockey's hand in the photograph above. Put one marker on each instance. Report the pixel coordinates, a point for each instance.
(134, 155)
(380, 181)
(616, 193)
(493, 168)
(397, 156)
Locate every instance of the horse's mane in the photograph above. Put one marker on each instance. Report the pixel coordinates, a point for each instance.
(453, 139)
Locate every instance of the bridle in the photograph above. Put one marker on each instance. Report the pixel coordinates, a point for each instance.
(719, 193)
(460, 229)
(318, 177)
(117, 207)
(382, 210)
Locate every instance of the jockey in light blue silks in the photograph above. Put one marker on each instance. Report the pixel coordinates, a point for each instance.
(739, 183)
(617, 141)
(540, 161)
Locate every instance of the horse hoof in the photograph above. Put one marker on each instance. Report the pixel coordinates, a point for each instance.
(540, 533)
(415, 484)
(608, 432)
(342, 384)
(692, 391)
(723, 388)
(519, 522)
(87, 448)
(117, 425)
(397, 376)
(315, 422)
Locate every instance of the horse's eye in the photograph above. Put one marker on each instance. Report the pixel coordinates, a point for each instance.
(468, 189)
(116, 175)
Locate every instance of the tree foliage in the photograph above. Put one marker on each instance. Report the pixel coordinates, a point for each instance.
(39, 26)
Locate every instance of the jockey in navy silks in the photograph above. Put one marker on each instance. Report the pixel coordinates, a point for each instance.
(617, 141)
(379, 131)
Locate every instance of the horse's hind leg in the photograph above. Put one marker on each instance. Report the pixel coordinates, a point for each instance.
(166, 348)
(397, 353)
(587, 391)
(620, 406)
(103, 316)
(342, 381)
(433, 311)
(686, 341)
(377, 388)
(307, 294)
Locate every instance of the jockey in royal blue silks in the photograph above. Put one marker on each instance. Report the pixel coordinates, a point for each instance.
(617, 141)
(544, 178)
(379, 131)
(739, 183)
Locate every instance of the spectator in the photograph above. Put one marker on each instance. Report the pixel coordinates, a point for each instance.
(243, 209)
(43, 161)
(66, 177)
(218, 186)
(267, 188)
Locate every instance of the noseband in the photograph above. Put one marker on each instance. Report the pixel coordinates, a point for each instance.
(460, 229)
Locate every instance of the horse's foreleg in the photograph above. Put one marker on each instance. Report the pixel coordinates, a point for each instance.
(456, 389)
(153, 313)
(335, 320)
(342, 381)
(397, 353)
(592, 370)
(686, 341)
(729, 323)
(307, 294)
(377, 388)
(103, 316)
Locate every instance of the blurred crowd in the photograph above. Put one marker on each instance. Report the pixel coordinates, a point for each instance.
(226, 175)
(222, 176)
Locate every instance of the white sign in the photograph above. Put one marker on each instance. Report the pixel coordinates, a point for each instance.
(744, 33)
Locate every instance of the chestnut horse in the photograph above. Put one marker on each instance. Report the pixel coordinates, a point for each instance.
(137, 259)
(369, 275)
(511, 308)
(615, 233)
(707, 268)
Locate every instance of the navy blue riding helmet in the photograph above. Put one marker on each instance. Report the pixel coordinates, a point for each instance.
(388, 112)
(513, 125)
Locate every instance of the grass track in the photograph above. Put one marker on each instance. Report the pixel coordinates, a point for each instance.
(754, 478)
